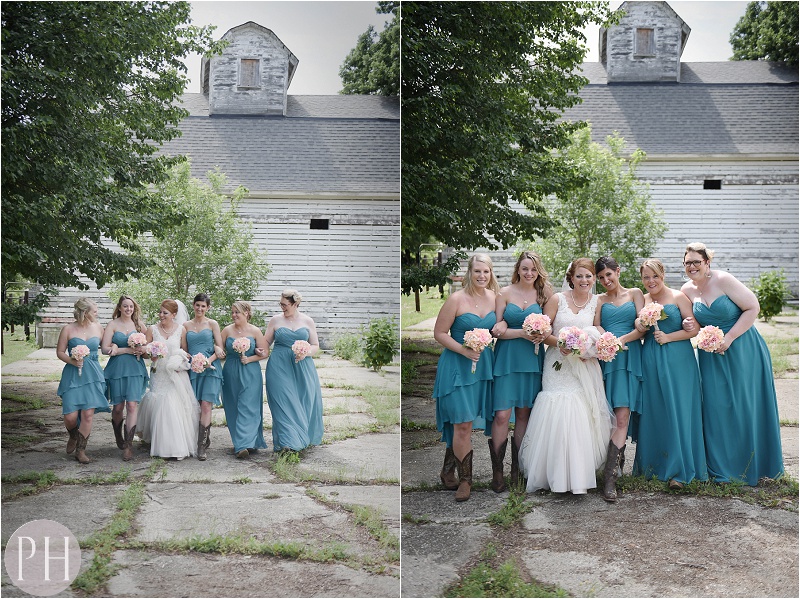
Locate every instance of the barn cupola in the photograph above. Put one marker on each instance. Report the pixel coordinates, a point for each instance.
(252, 75)
(646, 45)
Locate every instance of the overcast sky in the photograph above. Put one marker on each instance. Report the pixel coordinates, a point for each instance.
(322, 33)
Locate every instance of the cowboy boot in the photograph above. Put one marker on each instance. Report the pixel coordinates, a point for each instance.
(127, 453)
(514, 474)
(610, 473)
(80, 449)
(208, 437)
(498, 484)
(202, 442)
(73, 439)
(118, 436)
(448, 474)
(621, 468)
(464, 477)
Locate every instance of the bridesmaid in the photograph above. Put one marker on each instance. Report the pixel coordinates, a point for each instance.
(463, 396)
(517, 366)
(616, 312)
(203, 337)
(82, 388)
(670, 444)
(740, 409)
(125, 373)
(293, 389)
(242, 382)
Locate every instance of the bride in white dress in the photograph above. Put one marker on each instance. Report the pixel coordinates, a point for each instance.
(570, 424)
(169, 411)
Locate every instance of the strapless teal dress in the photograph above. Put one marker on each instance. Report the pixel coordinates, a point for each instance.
(740, 409)
(243, 399)
(87, 390)
(207, 385)
(517, 367)
(126, 377)
(623, 375)
(293, 393)
(462, 395)
(670, 441)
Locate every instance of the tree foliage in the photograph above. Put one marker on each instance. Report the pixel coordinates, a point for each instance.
(88, 95)
(418, 277)
(373, 66)
(213, 252)
(484, 87)
(609, 215)
(767, 31)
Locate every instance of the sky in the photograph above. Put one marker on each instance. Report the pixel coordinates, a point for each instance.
(322, 33)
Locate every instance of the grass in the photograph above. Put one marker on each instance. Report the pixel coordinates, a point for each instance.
(412, 425)
(15, 347)
(384, 405)
(505, 580)
(26, 403)
(780, 348)
(410, 345)
(412, 519)
(430, 304)
(512, 511)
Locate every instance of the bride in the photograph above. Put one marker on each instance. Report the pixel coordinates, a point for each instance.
(570, 424)
(169, 412)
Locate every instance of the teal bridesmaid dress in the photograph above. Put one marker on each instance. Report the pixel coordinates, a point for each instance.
(293, 393)
(462, 395)
(740, 409)
(243, 399)
(623, 375)
(670, 441)
(126, 377)
(517, 368)
(87, 390)
(207, 385)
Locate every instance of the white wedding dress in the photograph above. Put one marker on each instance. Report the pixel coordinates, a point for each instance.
(570, 424)
(169, 413)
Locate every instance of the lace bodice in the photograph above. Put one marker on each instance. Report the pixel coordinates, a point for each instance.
(173, 341)
(567, 318)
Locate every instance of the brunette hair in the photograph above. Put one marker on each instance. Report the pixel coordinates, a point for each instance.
(542, 283)
(81, 310)
(575, 265)
(700, 248)
(469, 284)
(244, 308)
(605, 262)
(202, 297)
(136, 317)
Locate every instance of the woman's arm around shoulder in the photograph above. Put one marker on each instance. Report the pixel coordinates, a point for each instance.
(500, 301)
(260, 348)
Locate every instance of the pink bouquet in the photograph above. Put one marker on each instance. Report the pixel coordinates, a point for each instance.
(710, 338)
(537, 324)
(574, 339)
(137, 340)
(241, 345)
(200, 363)
(607, 346)
(651, 314)
(301, 349)
(156, 349)
(477, 339)
(79, 352)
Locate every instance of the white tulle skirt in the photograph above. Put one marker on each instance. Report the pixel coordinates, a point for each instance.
(169, 413)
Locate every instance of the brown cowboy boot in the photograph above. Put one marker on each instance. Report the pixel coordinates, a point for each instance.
(610, 473)
(73, 439)
(448, 474)
(498, 484)
(118, 435)
(514, 474)
(202, 442)
(621, 468)
(464, 477)
(80, 449)
(127, 452)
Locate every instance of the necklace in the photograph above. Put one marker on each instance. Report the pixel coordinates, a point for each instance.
(579, 306)
(165, 331)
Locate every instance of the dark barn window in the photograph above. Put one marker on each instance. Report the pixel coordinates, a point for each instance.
(712, 184)
(319, 223)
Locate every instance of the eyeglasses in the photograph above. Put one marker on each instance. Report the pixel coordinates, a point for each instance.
(284, 305)
(694, 263)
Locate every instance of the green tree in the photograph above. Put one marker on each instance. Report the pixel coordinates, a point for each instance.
(373, 66)
(609, 215)
(767, 31)
(213, 252)
(484, 88)
(88, 96)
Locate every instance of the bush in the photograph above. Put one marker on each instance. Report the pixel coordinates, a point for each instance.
(348, 347)
(381, 343)
(771, 291)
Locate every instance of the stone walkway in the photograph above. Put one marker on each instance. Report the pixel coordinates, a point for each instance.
(328, 526)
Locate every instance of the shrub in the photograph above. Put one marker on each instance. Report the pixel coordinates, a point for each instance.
(381, 343)
(771, 291)
(348, 347)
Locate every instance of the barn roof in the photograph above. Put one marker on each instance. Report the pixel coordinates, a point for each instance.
(324, 144)
(719, 108)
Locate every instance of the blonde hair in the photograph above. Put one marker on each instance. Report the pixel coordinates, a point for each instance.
(136, 317)
(542, 283)
(469, 284)
(579, 263)
(700, 248)
(81, 310)
(656, 265)
(292, 295)
(244, 308)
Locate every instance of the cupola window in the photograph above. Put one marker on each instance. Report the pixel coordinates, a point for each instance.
(645, 42)
(249, 72)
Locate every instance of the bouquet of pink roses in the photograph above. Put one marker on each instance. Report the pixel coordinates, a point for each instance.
(79, 352)
(477, 339)
(710, 338)
(156, 349)
(137, 340)
(651, 314)
(301, 349)
(200, 363)
(241, 345)
(537, 324)
(607, 346)
(574, 339)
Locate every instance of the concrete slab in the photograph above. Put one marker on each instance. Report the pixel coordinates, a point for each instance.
(381, 498)
(359, 460)
(788, 391)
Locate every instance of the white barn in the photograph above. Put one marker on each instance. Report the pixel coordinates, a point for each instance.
(323, 174)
